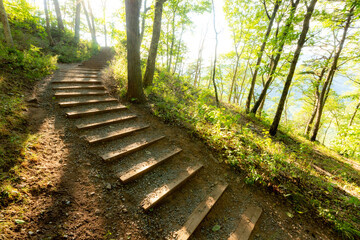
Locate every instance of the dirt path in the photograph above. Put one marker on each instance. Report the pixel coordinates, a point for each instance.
(76, 189)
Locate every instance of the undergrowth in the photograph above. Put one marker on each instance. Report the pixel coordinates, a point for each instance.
(315, 180)
(286, 164)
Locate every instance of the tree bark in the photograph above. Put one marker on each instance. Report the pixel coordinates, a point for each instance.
(172, 40)
(143, 19)
(354, 114)
(277, 57)
(215, 57)
(330, 76)
(262, 49)
(5, 23)
(300, 44)
(135, 89)
(58, 16)
(77, 22)
(151, 61)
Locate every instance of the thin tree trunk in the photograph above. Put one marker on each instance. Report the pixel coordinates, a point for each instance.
(330, 76)
(252, 86)
(199, 61)
(93, 33)
(317, 96)
(135, 90)
(215, 58)
(277, 58)
(88, 20)
(48, 30)
(354, 114)
(300, 44)
(58, 16)
(105, 30)
(172, 40)
(5, 23)
(326, 131)
(77, 22)
(143, 19)
(151, 61)
(178, 49)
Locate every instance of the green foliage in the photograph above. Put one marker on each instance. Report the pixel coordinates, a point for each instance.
(347, 142)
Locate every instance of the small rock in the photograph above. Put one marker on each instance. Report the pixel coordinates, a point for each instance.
(108, 186)
(92, 194)
(32, 100)
(123, 199)
(67, 202)
(31, 233)
(125, 210)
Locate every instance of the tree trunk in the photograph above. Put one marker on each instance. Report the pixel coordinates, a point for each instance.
(252, 86)
(172, 41)
(58, 16)
(143, 19)
(354, 114)
(300, 44)
(215, 58)
(317, 96)
(277, 57)
(104, 15)
(234, 76)
(326, 131)
(48, 30)
(5, 23)
(135, 90)
(178, 50)
(93, 33)
(93, 38)
(151, 61)
(77, 22)
(330, 76)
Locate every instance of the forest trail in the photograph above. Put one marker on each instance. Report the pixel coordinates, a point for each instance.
(111, 170)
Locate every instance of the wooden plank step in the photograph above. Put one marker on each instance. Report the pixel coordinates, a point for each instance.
(161, 193)
(80, 71)
(78, 114)
(80, 103)
(129, 149)
(200, 212)
(116, 135)
(144, 167)
(79, 81)
(247, 223)
(79, 87)
(79, 94)
(79, 76)
(106, 122)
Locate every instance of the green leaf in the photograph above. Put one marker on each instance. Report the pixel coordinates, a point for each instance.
(216, 228)
(289, 214)
(18, 221)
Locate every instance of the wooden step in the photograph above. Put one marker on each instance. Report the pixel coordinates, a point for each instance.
(247, 224)
(200, 212)
(79, 76)
(144, 167)
(116, 135)
(79, 94)
(79, 87)
(106, 122)
(80, 71)
(78, 114)
(129, 149)
(161, 193)
(81, 103)
(79, 81)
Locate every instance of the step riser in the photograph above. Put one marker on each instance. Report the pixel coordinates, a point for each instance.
(78, 82)
(116, 136)
(104, 123)
(85, 103)
(162, 192)
(79, 76)
(79, 95)
(135, 149)
(80, 88)
(86, 114)
(135, 172)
